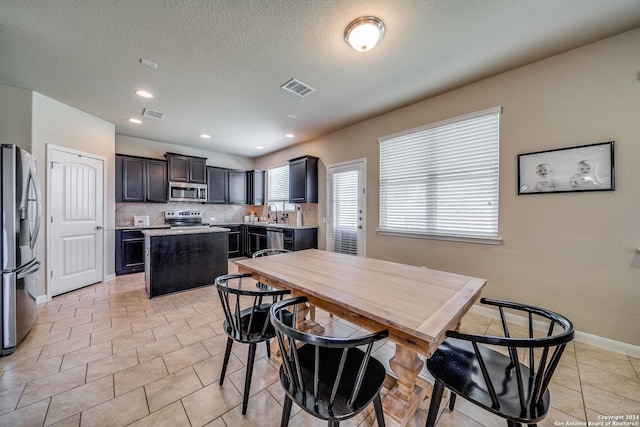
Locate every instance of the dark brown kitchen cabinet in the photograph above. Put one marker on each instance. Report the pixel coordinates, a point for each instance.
(255, 187)
(256, 239)
(298, 239)
(236, 247)
(140, 180)
(237, 187)
(303, 180)
(217, 185)
(129, 251)
(187, 168)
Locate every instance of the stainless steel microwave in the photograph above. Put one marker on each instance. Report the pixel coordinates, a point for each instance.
(187, 192)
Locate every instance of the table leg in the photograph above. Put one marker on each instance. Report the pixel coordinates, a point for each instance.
(404, 397)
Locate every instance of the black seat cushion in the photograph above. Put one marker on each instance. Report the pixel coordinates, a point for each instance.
(329, 361)
(455, 364)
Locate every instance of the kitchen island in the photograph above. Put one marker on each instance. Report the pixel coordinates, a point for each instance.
(185, 258)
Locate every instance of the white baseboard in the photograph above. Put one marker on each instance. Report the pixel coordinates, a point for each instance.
(583, 337)
(110, 277)
(42, 299)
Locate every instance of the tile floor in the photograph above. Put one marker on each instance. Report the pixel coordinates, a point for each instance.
(106, 355)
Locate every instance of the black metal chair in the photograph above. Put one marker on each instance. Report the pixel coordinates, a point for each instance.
(246, 309)
(509, 380)
(267, 252)
(330, 378)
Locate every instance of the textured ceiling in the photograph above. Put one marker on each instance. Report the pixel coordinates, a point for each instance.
(222, 62)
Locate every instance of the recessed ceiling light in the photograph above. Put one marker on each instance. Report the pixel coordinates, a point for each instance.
(136, 121)
(205, 136)
(144, 94)
(290, 135)
(259, 147)
(292, 116)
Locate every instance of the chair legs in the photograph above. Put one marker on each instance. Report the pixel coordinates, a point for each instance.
(227, 353)
(377, 406)
(452, 401)
(247, 378)
(268, 343)
(286, 411)
(434, 406)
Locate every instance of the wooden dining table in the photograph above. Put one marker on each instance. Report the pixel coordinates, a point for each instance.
(416, 305)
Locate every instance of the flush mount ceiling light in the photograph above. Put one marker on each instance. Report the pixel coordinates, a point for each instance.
(364, 33)
(205, 136)
(136, 121)
(144, 93)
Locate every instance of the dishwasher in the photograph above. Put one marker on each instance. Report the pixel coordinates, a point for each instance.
(275, 238)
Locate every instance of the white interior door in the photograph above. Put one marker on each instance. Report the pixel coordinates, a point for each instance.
(346, 216)
(76, 200)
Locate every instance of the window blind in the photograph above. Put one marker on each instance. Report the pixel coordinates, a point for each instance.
(442, 179)
(343, 211)
(279, 184)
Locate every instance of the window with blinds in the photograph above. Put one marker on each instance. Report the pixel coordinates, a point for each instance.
(343, 211)
(441, 180)
(278, 188)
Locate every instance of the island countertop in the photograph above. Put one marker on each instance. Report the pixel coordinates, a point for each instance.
(185, 230)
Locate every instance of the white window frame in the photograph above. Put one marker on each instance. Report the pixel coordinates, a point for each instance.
(416, 163)
(282, 202)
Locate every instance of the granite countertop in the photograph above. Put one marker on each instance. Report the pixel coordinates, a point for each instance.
(185, 230)
(265, 224)
(133, 227)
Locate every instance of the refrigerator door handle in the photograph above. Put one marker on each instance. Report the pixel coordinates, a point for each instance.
(36, 189)
(28, 269)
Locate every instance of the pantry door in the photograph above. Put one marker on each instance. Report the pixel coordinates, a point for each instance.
(346, 202)
(76, 220)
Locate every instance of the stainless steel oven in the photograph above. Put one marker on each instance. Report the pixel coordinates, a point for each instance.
(187, 192)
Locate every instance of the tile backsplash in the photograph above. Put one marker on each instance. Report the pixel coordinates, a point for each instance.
(223, 214)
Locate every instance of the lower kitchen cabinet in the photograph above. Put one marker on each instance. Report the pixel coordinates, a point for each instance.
(298, 239)
(129, 251)
(255, 240)
(180, 262)
(236, 240)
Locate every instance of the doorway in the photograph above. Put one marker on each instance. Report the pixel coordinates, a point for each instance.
(75, 204)
(346, 212)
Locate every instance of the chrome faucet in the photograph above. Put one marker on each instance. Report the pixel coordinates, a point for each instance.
(269, 210)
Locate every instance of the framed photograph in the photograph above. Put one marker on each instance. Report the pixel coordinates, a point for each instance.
(572, 169)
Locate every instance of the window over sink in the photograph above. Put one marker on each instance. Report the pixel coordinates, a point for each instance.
(278, 188)
(440, 181)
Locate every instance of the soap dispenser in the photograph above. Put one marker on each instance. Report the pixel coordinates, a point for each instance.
(299, 217)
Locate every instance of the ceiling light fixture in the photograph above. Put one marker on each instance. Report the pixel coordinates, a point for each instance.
(364, 33)
(144, 94)
(259, 147)
(205, 136)
(290, 135)
(136, 121)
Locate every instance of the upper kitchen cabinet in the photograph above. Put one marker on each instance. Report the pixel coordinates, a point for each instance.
(255, 187)
(303, 180)
(217, 185)
(140, 180)
(187, 168)
(237, 187)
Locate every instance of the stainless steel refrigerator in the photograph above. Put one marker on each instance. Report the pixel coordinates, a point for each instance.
(21, 208)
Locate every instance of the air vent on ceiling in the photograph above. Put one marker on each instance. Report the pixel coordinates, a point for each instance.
(152, 114)
(297, 87)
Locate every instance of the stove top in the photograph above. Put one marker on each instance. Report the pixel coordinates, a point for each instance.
(183, 218)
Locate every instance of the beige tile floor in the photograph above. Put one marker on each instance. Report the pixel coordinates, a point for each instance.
(106, 355)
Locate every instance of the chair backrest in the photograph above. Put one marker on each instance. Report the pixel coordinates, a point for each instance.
(246, 307)
(543, 341)
(267, 252)
(325, 382)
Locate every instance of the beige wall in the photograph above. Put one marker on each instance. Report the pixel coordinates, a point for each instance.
(153, 149)
(15, 117)
(573, 252)
(64, 126)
